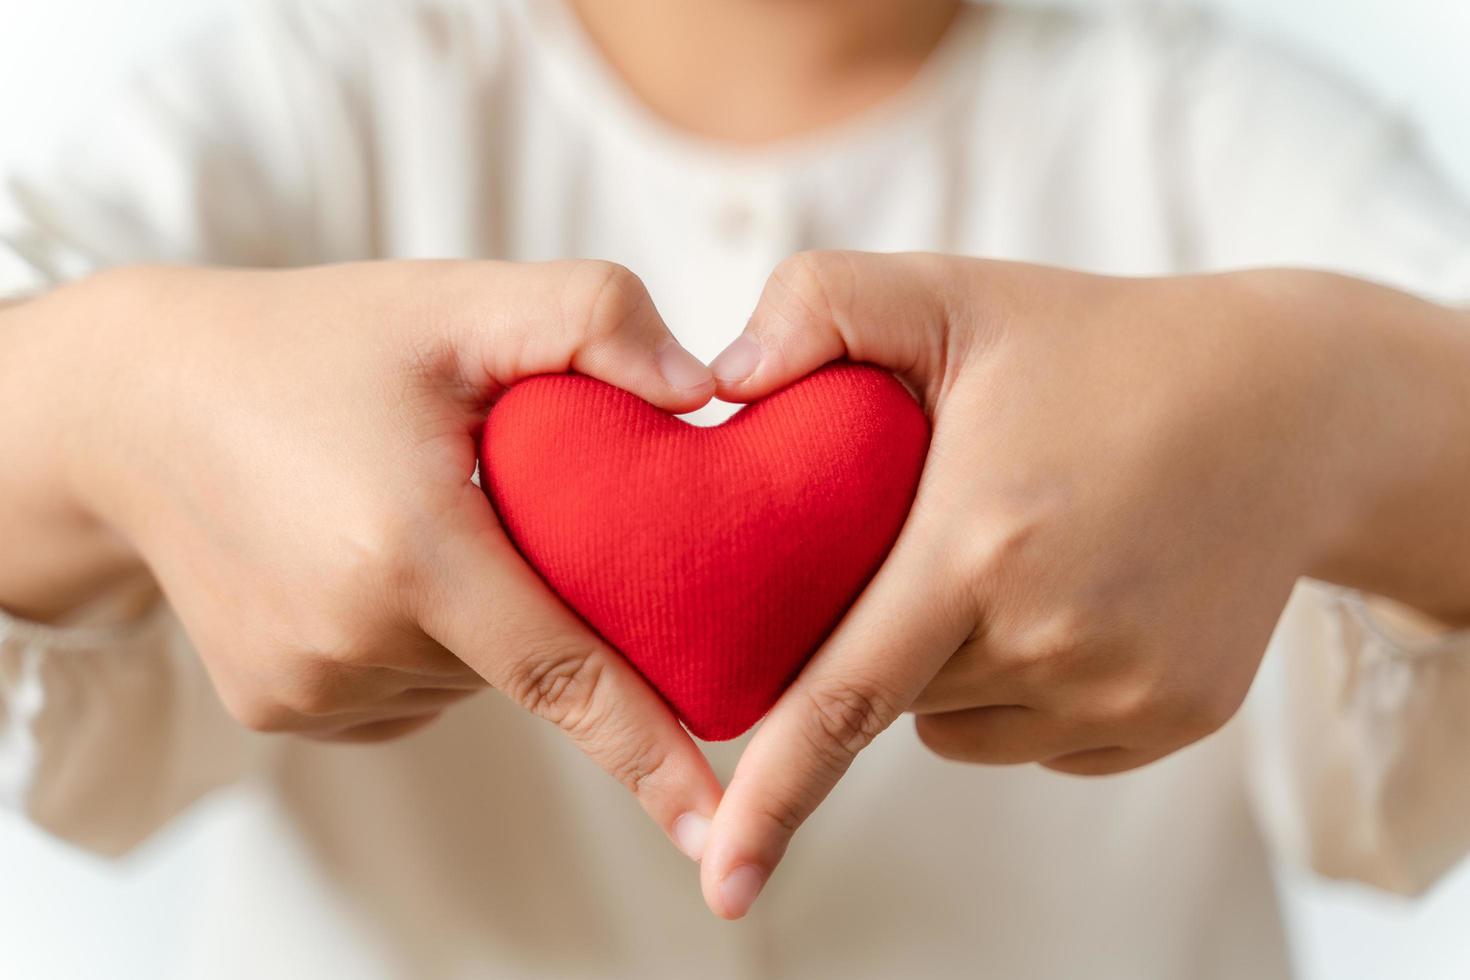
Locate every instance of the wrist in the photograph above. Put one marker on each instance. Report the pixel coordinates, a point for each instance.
(60, 553)
(1396, 412)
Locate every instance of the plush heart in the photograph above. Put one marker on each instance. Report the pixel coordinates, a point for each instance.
(716, 559)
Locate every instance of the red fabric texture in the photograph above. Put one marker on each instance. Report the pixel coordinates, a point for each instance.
(716, 559)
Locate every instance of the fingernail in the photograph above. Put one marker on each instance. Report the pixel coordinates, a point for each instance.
(739, 889)
(690, 832)
(680, 368)
(738, 361)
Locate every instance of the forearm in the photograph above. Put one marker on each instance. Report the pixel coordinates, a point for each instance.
(54, 554)
(1405, 432)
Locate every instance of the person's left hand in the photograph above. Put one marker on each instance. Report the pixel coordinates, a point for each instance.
(1125, 481)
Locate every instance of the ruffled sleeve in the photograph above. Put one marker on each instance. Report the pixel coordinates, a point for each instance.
(1362, 740)
(108, 731)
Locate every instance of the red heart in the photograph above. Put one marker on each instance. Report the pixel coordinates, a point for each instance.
(716, 559)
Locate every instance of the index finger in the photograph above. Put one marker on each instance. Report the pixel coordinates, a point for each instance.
(882, 655)
(490, 609)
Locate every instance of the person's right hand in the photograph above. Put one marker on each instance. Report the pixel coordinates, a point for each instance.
(290, 454)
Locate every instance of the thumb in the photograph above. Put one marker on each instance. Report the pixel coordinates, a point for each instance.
(888, 310)
(588, 316)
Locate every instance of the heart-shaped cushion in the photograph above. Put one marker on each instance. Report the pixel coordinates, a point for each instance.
(716, 559)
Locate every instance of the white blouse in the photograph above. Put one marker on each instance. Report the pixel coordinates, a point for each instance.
(322, 130)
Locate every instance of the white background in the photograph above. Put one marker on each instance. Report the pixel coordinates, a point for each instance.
(61, 915)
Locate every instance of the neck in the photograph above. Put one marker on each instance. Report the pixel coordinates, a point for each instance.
(752, 71)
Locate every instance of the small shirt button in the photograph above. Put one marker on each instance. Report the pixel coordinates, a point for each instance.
(734, 222)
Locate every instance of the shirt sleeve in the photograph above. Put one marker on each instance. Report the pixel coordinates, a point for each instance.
(1359, 726)
(219, 153)
(1279, 163)
(108, 731)
(241, 145)
(1360, 741)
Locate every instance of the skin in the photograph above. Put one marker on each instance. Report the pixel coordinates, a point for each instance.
(287, 456)
(757, 71)
(1126, 477)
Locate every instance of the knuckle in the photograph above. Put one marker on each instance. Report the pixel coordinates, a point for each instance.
(380, 561)
(812, 287)
(364, 601)
(1049, 647)
(1149, 705)
(369, 595)
(568, 683)
(314, 690)
(601, 297)
(329, 640)
(638, 764)
(784, 813)
(990, 559)
(1130, 706)
(845, 718)
(559, 682)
